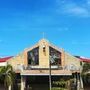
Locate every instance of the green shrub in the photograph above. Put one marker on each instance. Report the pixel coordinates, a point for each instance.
(55, 88)
(60, 83)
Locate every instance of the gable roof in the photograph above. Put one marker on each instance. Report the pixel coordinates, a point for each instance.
(83, 59)
(45, 41)
(5, 59)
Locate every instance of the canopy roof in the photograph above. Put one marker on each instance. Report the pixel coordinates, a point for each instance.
(45, 72)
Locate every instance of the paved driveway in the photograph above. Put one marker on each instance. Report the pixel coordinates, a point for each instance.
(2, 87)
(40, 87)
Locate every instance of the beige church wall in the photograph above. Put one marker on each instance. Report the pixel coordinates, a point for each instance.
(62, 58)
(43, 56)
(66, 58)
(71, 60)
(17, 60)
(25, 54)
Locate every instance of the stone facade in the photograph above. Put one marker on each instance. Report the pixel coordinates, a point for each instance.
(48, 56)
(66, 58)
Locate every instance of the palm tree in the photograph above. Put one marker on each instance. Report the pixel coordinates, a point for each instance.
(86, 73)
(8, 74)
(86, 68)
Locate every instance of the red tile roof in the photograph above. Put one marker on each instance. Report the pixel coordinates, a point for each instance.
(85, 59)
(5, 59)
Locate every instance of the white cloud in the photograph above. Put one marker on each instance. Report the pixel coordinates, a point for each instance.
(63, 29)
(76, 10)
(72, 8)
(1, 41)
(88, 2)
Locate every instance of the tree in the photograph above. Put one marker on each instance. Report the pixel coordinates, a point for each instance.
(86, 73)
(8, 75)
(86, 68)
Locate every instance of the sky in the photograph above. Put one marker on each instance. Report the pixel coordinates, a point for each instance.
(66, 23)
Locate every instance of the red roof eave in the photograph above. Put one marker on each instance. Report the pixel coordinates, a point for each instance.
(85, 60)
(5, 59)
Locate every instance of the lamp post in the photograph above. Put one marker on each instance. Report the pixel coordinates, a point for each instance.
(81, 82)
(50, 82)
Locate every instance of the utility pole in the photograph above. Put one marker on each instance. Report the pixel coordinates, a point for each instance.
(50, 82)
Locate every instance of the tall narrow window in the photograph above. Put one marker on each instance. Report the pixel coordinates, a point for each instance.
(33, 56)
(55, 56)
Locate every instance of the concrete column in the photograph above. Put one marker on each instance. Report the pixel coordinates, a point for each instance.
(9, 88)
(81, 82)
(78, 85)
(23, 81)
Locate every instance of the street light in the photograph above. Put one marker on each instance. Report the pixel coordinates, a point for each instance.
(50, 82)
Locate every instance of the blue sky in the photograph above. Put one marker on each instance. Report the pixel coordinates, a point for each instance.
(66, 23)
